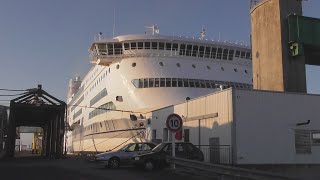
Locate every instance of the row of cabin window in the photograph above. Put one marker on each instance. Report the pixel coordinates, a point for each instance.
(77, 103)
(77, 114)
(178, 82)
(103, 108)
(184, 50)
(99, 96)
(96, 127)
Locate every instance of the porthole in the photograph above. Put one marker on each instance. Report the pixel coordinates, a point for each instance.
(222, 69)
(245, 71)
(208, 67)
(161, 63)
(235, 70)
(194, 66)
(134, 64)
(118, 66)
(178, 65)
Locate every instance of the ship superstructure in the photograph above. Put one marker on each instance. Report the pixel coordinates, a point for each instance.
(133, 74)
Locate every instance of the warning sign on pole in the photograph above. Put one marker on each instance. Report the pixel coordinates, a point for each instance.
(174, 122)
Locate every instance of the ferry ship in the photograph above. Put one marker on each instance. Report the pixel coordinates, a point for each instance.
(134, 74)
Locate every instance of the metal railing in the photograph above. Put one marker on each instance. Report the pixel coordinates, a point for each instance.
(227, 172)
(221, 154)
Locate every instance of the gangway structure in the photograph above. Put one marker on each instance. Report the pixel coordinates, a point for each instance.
(37, 108)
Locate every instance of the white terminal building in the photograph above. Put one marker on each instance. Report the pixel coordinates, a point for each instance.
(247, 126)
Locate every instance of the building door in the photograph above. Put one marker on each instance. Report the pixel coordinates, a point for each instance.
(214, 150)
(186, 135)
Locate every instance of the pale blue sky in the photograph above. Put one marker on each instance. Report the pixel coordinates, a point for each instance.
(46, 42)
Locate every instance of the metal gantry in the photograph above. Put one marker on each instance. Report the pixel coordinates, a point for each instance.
(37, 108)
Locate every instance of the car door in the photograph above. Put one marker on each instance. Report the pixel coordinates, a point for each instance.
(180, 151)
(132, 150)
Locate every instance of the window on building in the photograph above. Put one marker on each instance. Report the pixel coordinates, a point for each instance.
(201, 51)
(225, 54)
(102, 49)
(189, 49)
(191, 83)
(180, 83)
(208, 84)
(195, 51)
(185, 82)
(135, 82)
(207, 52)
(126, 46)
(243, 54)
(168, 46)
(197, 83)
(231, 53)
(110, 49)
(202, 84)
(133, 45)
(219, 54)
(140, 45)
(186, 133)
(174, 82)
(154, 134)
(147, 45)
(174, 47)
(156, 82)
(168, 82)
(182, 49)
(248, 55)
(213, 53)
(145, 83)
(165, 135)
(237, 54)
(151, 82)
(162, 82)
(161, 45)
(154, 45)
(140, 83)
(117, 48)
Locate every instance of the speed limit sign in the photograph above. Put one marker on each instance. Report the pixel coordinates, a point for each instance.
(174, 122)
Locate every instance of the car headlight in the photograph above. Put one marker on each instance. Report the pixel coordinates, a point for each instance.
(137, 158)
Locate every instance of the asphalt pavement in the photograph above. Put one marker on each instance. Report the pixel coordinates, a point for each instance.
(77, 168)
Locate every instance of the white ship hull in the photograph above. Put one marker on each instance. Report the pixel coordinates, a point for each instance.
(104, 130)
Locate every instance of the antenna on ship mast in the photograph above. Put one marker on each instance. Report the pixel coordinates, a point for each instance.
(154, 29)
(114, 21)
(202, 33)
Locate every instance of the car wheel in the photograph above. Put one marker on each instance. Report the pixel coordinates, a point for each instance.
(149, 165)
(114, 163)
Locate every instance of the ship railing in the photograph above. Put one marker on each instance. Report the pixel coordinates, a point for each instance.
(163, 53)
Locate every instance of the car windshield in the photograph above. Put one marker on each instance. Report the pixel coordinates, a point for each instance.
(159, 147)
